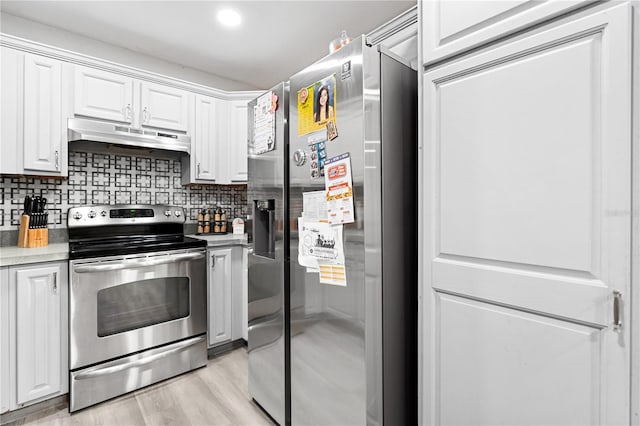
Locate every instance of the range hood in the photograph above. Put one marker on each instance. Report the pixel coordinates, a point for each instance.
(83, 130)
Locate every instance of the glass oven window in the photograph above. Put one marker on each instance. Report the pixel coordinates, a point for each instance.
(141, 304)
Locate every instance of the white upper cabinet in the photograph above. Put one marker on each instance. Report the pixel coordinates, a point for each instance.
(236, 143)
(11, 75)
(32, 119)
(42, 114)
(232, 145)
(116, 97)
(453, 26)
(219, 142)
(103, 94)
(164, 107)
(204, 139)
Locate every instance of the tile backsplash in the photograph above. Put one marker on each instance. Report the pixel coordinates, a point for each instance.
(97, 178)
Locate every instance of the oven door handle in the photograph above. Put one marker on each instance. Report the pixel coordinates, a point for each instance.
(172, 258)
(126, 365)
(136, 263)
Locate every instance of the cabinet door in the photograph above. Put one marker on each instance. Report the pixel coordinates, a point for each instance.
(5, 342)
(237, 294)
(102, 94)
(12, 75)
(205, 138)
(38, 332)
(527, 207)
(164, 107)
(245, 294)
(220, 298)
(42, 114)
(237, 142)
(453, 26)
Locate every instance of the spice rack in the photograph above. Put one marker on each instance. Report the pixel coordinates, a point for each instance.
(212, 221)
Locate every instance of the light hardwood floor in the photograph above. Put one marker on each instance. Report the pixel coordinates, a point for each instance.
(215, 395)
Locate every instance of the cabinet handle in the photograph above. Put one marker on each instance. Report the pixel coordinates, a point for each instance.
(617, 305)
(213, 261)
(145, 115)
(198, 172)
(127, 112)
(57, 160)
(55, 283)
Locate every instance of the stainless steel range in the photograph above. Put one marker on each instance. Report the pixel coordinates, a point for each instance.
(137, 300)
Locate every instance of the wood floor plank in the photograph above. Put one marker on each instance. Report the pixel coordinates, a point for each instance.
(217, 394)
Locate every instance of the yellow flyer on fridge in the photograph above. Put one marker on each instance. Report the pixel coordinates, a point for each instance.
(339, 187)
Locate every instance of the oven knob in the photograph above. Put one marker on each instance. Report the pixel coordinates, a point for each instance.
(178, 213)
(167, 213)
(91, 214)
(77, 215)
(103, 213)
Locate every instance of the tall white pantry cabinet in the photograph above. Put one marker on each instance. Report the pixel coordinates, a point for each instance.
(529, 181)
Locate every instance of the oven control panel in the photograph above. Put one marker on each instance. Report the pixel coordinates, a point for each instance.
(124, 214)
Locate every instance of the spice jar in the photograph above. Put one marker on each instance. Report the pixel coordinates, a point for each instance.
(207, 222)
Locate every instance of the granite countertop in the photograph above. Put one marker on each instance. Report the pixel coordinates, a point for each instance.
(222, 240)
(13, 255)
(21, 256)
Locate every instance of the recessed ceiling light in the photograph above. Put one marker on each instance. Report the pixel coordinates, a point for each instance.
(229, 18)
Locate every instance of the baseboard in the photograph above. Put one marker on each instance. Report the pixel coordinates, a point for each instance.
(61, 401)
(226, 347)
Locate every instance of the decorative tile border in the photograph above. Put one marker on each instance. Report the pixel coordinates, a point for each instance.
(115, 179)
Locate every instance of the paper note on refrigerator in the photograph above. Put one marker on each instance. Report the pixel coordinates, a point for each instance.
(264, 125)
(319, 242)
(314, 206)
(339, 186)
(332, 274)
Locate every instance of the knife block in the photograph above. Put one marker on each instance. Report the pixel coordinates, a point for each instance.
(30, 238)
(23, 234)
(38, 237)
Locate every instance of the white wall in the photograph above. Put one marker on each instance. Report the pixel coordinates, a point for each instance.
(45, 34)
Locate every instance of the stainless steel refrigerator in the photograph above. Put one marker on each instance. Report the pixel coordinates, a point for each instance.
(268, 270)
(350, 335)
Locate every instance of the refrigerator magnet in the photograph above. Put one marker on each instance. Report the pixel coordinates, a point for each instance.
(339, 187)
(264, 125)
(332, 130)
(317, 105)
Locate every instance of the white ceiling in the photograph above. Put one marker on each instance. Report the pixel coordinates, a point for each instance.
(275, 40)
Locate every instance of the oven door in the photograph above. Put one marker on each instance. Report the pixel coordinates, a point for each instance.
(124, 304)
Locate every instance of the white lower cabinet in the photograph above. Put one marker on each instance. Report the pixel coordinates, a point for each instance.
(33, 333)
(220, 284)
(245, 294)
(237, 266)
(225, 294)
(5, 370)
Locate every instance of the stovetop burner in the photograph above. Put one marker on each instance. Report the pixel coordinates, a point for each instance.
(99, 231)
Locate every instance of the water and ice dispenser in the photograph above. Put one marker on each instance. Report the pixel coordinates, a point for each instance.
(264, 228)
